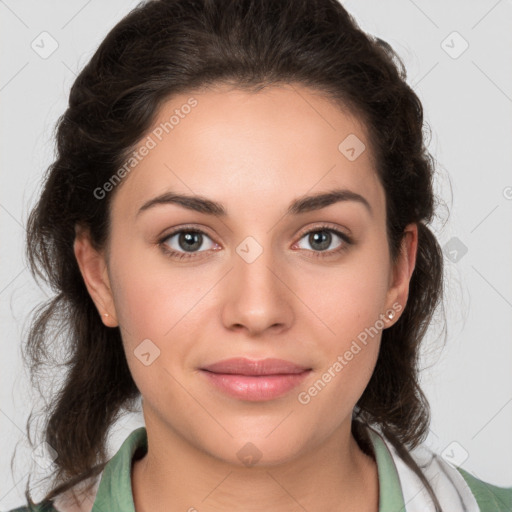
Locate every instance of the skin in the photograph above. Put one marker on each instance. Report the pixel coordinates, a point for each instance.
(254, 153)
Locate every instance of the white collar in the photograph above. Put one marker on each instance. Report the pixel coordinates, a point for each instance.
(449, 485)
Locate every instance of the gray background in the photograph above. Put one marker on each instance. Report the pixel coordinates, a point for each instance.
(467, 97)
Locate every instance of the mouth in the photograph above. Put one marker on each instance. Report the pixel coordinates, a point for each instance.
(250, 367)
(253, 380)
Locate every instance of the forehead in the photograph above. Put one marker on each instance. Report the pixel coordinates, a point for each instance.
(250, 149)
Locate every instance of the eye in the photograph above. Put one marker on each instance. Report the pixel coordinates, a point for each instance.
(321, 238)
(186, 240)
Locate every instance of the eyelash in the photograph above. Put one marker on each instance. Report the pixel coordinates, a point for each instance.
(317, 254)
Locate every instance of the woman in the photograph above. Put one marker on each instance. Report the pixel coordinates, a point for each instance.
(237, 228)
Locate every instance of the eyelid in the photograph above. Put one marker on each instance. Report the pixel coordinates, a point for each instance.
(326, 226)
(185, 227)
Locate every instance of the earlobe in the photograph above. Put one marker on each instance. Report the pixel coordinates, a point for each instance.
(93, 268)
(403, 269)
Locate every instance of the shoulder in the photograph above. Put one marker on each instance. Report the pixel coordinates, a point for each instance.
(45, 506)
(453, 484)
(79, 498)
(490, 498)
(455, 488)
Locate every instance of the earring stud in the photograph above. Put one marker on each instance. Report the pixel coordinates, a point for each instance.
(390, 314)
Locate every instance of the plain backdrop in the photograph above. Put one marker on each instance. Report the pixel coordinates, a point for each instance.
(458, 59)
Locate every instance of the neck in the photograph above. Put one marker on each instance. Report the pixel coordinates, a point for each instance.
(334, 475)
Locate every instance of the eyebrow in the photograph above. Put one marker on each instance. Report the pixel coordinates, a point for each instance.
(297, 206)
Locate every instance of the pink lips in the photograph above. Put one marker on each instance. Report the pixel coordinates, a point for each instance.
(255, 380)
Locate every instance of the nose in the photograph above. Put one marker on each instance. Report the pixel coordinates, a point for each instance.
(256, 294)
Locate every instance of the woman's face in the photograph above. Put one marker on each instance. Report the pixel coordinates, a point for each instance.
(253, 284)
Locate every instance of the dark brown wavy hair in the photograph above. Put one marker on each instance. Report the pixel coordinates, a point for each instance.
(165, 47)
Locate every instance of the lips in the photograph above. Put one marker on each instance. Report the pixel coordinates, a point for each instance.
(249, 367)
(255, 380)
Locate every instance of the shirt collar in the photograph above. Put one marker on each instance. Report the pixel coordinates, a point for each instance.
(115, 487)
(391, 498)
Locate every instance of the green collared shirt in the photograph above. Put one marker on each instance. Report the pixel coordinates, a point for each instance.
(114, 493)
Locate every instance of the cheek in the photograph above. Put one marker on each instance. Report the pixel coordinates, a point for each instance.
(151, 294)
(158, 301)
(152, 312)
(350, 297)
(349, 349)
(349, 300)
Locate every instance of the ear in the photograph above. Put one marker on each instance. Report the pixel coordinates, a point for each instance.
(93, 267)
(403, 268)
